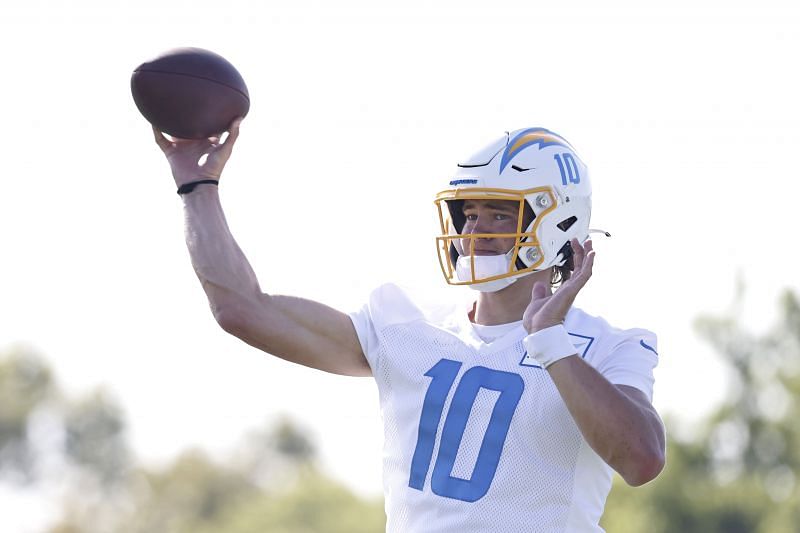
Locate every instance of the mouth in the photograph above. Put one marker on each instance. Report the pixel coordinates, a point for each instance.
(486, 251)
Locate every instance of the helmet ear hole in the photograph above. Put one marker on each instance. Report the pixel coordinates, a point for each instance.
(566, 253)
(567, 223)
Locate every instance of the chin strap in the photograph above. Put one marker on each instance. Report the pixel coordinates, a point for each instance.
(486, 266)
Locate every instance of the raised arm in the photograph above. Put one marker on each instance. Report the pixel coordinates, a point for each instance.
(617, 421)
(295, 329)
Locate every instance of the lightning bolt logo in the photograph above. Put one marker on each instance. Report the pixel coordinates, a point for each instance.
(525, 138)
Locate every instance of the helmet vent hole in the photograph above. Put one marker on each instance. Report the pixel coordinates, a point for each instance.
(519, 169)
(565, 224)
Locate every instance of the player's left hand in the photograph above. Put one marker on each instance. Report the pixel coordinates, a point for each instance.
(546, 310)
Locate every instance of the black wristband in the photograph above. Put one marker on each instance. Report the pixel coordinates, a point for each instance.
(189, 187)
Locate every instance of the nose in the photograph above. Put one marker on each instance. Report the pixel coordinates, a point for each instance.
(481, 225)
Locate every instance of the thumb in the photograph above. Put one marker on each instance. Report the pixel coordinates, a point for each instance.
(539, 291)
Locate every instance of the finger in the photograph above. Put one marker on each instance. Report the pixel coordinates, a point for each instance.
(585, 273)
(225, 149)
(161, 141)
(233, 133)
(586, 250)
(577, 255)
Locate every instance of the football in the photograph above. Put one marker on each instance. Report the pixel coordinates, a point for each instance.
(189, 93)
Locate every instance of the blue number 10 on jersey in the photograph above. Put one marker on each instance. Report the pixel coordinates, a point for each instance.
(443, 375)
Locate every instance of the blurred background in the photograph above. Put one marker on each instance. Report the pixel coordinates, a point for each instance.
(123, 406)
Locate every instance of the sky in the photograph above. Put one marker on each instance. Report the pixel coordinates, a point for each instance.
(685, 112)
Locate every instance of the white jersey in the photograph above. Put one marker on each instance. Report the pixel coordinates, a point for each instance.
(477, 437)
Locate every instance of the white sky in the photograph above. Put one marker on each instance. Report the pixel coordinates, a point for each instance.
(685, 112)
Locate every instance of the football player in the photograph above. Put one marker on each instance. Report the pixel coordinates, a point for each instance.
(508, 416)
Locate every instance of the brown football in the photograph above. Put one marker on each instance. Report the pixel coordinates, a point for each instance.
(190, 93)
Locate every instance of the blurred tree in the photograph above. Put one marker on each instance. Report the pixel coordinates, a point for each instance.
(275, 456)
(740, 473)
(41, 430)
(189, 494)
(79, 451)
(95, 438)
(314, 504)
(25, 383)
(271, 485)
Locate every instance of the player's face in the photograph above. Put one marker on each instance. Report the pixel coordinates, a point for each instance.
(489, 216)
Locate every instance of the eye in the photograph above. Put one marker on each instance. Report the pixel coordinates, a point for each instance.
(471, 216)
(503, 217)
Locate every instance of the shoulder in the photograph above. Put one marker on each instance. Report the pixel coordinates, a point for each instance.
(394, 308)
(623, 356)
(391, 304)
(607, 338)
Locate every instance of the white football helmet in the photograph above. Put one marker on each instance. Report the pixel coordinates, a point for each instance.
(541, 171)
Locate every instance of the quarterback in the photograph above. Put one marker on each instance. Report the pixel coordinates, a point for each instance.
(507, 416)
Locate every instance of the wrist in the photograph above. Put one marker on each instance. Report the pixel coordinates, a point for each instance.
(190, 186)
(533, 328)
(548, 345)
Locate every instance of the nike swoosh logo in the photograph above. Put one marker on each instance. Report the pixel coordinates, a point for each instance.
(647, 347)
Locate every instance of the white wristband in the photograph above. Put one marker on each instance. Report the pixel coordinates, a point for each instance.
(549, 345)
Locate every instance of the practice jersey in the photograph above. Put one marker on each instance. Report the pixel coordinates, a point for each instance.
(476, 436)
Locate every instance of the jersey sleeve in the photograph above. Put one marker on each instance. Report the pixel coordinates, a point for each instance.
(387, 305)
(367, 333)
(630, 360)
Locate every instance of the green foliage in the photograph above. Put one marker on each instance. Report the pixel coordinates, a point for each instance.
(270, 485)
(314, 504)
(195, 494)
(273, 488)
(95, 437)
(189, 494)
(88, 433)
(25, 383)
(291, 443)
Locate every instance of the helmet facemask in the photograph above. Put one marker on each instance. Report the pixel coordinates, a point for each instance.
(488, 273)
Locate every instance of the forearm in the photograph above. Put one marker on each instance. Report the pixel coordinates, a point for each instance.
(220, 264)
(626, 433)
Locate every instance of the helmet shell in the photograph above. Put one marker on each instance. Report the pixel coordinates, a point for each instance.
(534, 166)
